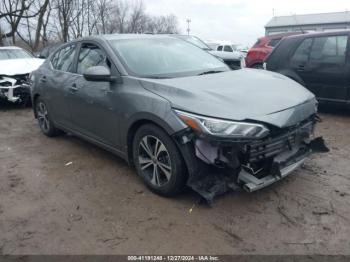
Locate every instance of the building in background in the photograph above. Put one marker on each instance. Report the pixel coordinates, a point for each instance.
(308, 23)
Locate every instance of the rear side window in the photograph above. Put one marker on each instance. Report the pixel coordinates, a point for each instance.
(91, 55)
(228, 48)
(63, 60)
(274, 42)
(220, 48)
(301, 54)
(331, 49)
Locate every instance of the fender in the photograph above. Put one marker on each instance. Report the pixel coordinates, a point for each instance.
(128, 132)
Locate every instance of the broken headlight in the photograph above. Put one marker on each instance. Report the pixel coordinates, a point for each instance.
(223, 128)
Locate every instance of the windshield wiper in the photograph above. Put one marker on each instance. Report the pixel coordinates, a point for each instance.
(210, 72)
(156, 77)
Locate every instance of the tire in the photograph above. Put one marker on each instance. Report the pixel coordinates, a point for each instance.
(258, 66)
(165, 174)
(44, 119)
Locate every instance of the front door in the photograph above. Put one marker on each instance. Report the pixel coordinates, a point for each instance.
(92, 104)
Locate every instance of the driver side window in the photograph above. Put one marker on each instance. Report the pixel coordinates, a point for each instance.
(91, 55)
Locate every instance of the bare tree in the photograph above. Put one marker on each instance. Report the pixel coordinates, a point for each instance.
(163, 25)
(38, 22)
(65, 12)
(138, 18)
(13, 11)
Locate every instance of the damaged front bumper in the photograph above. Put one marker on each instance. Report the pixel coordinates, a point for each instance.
(282, 166)
(217, 166)
(15, 88)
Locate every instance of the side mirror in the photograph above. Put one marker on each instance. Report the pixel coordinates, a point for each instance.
(98, 74)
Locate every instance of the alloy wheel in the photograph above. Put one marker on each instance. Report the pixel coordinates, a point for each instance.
(43, 117)
(154, 160)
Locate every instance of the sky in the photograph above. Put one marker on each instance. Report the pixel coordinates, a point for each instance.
(237, 21)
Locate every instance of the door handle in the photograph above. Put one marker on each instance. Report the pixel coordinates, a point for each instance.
(301, 68)
(43, 79)
(73, 88)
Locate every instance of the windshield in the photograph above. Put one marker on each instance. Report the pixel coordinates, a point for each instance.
(164, 57)
(196, 41)
(13, 54)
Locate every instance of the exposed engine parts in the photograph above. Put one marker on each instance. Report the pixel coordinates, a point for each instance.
(15, 88)
(223, 165)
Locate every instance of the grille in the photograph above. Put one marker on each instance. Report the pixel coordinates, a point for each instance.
(271, 147)
(21, 79)
(5, 84)
(21, 91)
(277, 144)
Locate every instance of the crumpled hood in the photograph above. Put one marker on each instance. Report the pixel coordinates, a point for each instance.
(246, 94)
(227, 55)
(10, 67)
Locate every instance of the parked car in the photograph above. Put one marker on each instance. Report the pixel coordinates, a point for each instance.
(15, 66)
(226, 48)
(176, 113)
(262, 48)
(235, 60)
(318, 61)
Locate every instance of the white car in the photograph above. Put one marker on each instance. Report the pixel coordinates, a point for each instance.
(234, 59)
(15, 66)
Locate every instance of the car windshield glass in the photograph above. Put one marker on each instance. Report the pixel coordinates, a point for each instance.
(196, 41)
(13, 54)
(164, 57)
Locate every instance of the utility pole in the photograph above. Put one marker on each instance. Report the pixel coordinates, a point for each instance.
(188, 26)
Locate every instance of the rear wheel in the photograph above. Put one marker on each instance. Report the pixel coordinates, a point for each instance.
(44, 120)
(258, 66)
(158, 161)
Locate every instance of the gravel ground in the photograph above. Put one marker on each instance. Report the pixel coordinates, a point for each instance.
(97, 205)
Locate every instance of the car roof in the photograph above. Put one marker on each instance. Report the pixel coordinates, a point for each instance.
(281, 35)
(315, 34)
(133, 36)
(110, 37)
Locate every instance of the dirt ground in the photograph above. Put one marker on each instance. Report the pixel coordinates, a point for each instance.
(97, 204)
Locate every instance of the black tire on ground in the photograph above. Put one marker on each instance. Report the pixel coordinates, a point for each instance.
(158, 161)
(258, 66)
(44, 119)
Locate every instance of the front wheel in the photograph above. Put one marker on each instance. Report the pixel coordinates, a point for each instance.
(44, 119)
(158, 161)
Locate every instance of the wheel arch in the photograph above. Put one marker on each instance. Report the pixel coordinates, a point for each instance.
(35, 98)
(140, 120)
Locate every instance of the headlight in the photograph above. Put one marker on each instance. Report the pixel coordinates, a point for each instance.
(223, 128)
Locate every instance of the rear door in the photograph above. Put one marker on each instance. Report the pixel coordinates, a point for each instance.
(57, 81)
(329, 67)
(299, 63)
(322, 64)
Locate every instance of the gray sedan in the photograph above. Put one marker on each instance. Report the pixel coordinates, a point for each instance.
(176, 113)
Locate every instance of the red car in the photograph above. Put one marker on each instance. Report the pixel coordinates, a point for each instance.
(257, 54)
